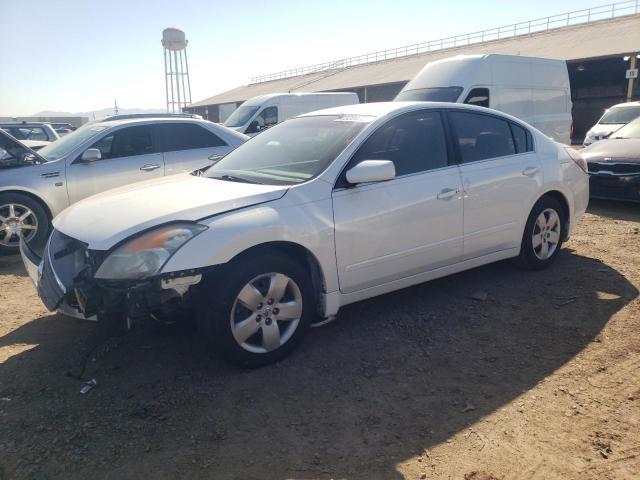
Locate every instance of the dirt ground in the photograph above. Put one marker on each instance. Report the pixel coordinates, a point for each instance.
(541, 380)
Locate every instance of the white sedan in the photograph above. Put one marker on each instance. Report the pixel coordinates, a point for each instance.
(323, 210)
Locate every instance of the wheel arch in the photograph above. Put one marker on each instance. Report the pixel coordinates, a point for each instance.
(33, 196)
(302, 255)
(566, 209)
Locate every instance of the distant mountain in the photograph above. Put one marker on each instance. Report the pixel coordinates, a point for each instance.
(99, 114)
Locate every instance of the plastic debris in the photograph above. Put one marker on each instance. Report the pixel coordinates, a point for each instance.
(87, 386)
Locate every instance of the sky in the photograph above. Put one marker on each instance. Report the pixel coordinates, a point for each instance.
(81, 55)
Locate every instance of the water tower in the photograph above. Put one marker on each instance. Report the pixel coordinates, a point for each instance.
(176, 69)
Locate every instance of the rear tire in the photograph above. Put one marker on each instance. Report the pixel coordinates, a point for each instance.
(543, 234)
(256, 310)
(22, 215)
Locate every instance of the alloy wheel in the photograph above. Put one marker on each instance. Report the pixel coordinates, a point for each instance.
(16, 221)
(266, 312)
(546, 234)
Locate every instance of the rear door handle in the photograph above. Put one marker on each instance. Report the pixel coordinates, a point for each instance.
(530, 171)
(446, 194)
(149, 167)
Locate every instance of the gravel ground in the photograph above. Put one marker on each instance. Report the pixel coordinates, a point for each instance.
(540, 380)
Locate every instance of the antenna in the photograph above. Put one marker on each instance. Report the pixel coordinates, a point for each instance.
(115, 107)
(175, 70)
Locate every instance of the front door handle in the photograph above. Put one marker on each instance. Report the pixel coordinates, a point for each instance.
(149, 167)
(530, 171)
(446, 194)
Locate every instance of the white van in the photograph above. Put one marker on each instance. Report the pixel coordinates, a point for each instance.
(535, 90)
(264, 111)
(614, 118)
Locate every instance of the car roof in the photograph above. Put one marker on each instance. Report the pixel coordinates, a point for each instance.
(143, 120)
(381, 109)
(627, 104)
(24, 124)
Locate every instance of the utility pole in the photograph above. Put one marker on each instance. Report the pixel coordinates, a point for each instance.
(631, 76)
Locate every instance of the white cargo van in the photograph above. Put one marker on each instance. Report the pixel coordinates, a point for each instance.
(264, 111)
(535, 90)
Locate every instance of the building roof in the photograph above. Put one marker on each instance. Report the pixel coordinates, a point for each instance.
(591, 40)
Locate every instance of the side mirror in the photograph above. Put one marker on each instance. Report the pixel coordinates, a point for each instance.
(371, 171)
(91, 155)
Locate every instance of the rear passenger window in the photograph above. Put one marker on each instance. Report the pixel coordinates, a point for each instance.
(414, 143)
(481, 137)
(187, 136)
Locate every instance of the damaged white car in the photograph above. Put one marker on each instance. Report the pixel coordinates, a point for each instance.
(323, 210)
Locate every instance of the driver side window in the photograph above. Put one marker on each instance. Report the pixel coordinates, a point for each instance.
(265, 119)
(127, 142)
(479, 97)
(414, 142)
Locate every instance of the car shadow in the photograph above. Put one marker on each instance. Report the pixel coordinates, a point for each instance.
(392, 377)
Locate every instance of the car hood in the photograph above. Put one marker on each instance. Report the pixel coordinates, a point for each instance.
(613, 149)
(106, 219)
(604, 129)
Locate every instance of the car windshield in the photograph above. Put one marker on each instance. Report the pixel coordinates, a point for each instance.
(240, 116)
(64, 145)
(630, 130)
(620, 115)
(435, 94)
(292, 152)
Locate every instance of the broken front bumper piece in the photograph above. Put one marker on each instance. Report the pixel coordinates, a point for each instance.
(64, 280)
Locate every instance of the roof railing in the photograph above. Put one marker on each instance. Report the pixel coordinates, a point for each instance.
(577, 17)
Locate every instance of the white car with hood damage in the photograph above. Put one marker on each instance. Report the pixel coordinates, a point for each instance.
(323, 210)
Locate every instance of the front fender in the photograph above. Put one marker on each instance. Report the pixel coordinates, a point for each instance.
(53, 205)
(309, 225)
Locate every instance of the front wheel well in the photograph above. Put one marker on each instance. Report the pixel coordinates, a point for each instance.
(33, 197)
(302, 255)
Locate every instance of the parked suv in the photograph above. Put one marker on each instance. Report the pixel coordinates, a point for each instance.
(37, 131)
(98, 157)
(317, 212)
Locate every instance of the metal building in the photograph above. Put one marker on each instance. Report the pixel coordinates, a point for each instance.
(594, 42)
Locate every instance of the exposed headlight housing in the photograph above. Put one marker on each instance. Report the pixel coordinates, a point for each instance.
(145, 255)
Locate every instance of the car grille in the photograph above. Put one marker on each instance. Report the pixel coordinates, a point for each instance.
(620, 167)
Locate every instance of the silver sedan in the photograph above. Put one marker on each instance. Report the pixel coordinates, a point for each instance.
(35, 187)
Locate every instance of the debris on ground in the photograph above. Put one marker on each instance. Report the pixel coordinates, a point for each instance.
(479, 295)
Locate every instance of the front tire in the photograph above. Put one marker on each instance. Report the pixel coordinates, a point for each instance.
(22, 216)
(256, 310)
(543, 234)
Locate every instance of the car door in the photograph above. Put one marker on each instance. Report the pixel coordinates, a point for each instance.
(390, 230)
(128, 155)
(501, 177)
(189, 146)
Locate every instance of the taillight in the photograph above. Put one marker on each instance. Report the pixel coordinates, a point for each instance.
(577, 157)
(571, 131)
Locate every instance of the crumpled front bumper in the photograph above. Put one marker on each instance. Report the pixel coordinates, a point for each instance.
(35, 266)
